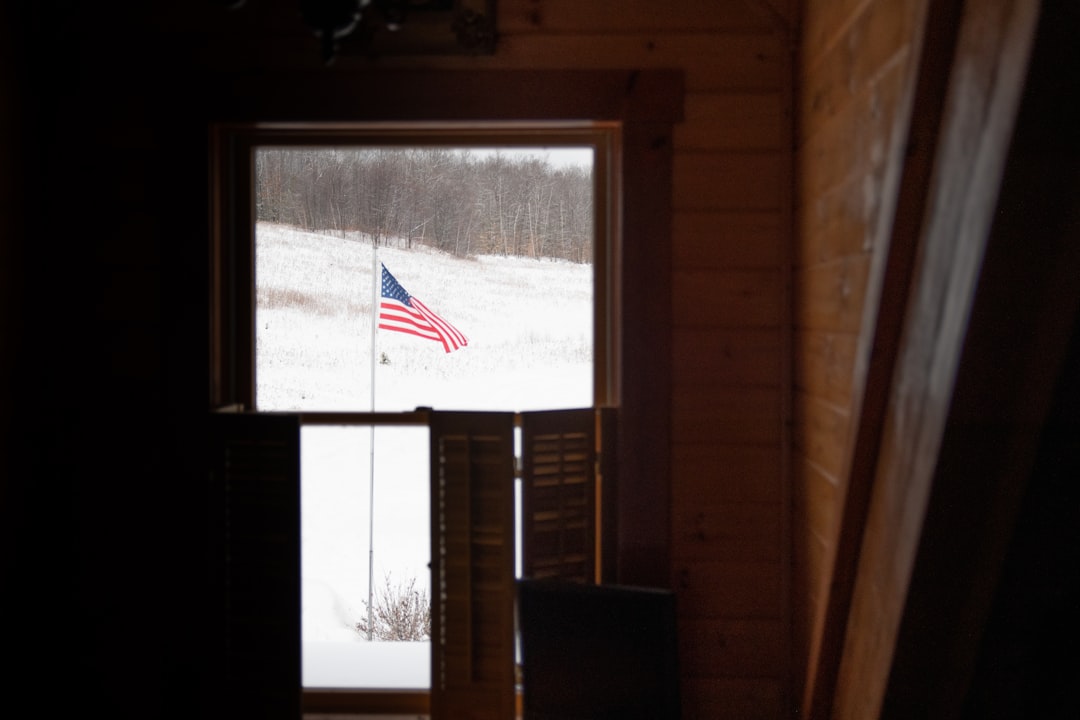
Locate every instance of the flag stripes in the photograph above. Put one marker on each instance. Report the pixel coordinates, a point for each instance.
(401, 312)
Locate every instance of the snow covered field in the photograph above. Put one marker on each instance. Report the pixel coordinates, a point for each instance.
(529, 325)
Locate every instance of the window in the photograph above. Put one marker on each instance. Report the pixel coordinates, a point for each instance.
(645, 105)
(498, 242)
(234, 334)
(459, 444)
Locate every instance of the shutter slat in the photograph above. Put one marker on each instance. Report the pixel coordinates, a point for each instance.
(472, 566)
(559, 503)
(254, 486)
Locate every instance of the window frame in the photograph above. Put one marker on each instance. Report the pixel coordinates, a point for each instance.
(232, 320)
(646, 102)
(233, 328)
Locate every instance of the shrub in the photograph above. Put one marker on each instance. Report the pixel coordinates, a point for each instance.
(401, 612)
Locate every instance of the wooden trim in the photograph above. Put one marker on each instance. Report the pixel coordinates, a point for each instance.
(232, 238)
(417, 417)
(1000, 517)
(373, 702)
(879, 337)
(966, 87)
(401, 95)
(608, 490)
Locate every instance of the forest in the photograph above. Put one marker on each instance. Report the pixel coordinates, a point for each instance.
(461, 202)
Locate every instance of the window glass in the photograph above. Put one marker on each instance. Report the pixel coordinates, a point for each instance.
(353, 532)
(393, 278)
(497, 245)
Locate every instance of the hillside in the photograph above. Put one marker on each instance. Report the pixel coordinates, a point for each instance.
(529, 326)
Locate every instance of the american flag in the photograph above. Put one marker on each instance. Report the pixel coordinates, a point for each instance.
(401, 312)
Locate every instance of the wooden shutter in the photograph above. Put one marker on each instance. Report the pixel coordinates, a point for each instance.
(254, 473)
(559, 494)
(608, 466)
(472, 513)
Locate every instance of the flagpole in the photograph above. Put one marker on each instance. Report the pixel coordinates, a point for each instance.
(376, 282)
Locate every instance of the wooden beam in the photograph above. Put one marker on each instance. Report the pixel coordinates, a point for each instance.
(890, 273)
(1000, 528)
(971, 68)
(390, 95)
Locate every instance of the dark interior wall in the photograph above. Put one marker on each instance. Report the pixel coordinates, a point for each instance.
(9, 227)
(1026, 663)
(107, 354)
(992, 603)
(987, 593)
(105, 519)
(997, 533)
(101, 577)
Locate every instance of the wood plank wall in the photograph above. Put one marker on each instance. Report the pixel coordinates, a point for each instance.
(733, 167)
(731, 237)
(855, 75)
(971, 64)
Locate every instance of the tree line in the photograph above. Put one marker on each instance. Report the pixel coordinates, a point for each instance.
(460, 203)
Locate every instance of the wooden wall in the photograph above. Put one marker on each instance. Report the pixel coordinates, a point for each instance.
(731, 228)
(906, 114)
(856, 75)
(730, 301)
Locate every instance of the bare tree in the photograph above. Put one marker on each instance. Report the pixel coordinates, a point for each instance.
(401, 612)
(457, 203)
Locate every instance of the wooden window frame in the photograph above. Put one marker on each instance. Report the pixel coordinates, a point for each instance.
(234, 259)
(644, 105)
(232, 318)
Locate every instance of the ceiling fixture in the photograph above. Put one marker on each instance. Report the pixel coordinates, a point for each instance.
(440, 26)
(332, 20)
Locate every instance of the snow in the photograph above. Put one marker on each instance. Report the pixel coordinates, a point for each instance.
(529, 324)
